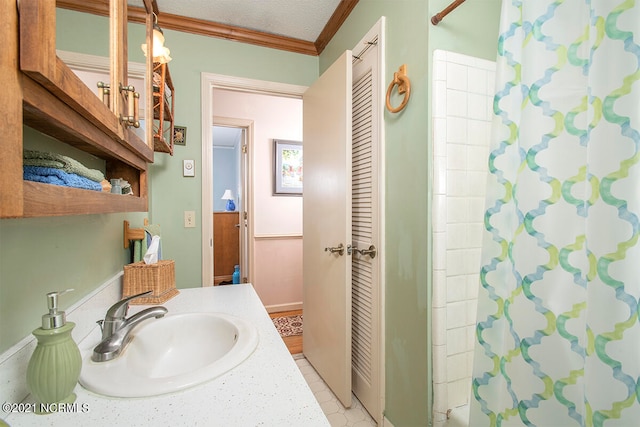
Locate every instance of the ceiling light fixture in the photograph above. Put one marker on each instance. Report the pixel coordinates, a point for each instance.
(160, 52)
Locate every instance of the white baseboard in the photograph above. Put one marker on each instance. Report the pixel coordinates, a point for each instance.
(386, 422)
(284, 307)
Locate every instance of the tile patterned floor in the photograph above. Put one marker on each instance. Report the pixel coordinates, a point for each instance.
(338, 416)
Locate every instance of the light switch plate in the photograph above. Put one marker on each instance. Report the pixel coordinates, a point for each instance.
(188, 168)
(189, 219)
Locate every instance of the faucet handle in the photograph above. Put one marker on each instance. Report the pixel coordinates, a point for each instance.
(119, 310)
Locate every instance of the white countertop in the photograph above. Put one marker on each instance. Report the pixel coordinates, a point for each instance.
(267, 389)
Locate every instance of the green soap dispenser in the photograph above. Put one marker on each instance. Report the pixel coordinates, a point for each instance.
(55, 365)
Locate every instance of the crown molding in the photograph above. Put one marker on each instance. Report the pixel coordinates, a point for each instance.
(223, 31)
(340, 15)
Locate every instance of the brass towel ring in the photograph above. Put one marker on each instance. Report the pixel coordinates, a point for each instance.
(404, 86)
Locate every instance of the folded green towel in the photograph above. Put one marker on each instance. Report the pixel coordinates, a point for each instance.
(137, 250)
(59, 161)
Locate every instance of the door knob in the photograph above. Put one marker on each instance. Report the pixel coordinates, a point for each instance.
(371, 251)
(337, 249)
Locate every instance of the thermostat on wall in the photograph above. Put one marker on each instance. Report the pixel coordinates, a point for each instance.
(188, 168)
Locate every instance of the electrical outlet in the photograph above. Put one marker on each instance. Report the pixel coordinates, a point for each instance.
(189, 219)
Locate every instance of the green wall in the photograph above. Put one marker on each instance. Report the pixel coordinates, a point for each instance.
(40, 255)
(410, 39)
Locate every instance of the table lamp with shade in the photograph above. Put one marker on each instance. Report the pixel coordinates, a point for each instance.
(228, 196)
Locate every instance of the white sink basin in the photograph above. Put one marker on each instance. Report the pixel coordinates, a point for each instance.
(170, 354)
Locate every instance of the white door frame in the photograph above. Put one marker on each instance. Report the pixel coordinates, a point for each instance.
(208, 82)
(246, 176)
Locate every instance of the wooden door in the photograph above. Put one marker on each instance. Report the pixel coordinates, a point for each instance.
(327, 224)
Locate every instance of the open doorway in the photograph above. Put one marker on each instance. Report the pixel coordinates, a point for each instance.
(229, 184)
(273, 223)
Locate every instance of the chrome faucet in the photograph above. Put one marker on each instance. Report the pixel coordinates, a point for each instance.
(116, 328)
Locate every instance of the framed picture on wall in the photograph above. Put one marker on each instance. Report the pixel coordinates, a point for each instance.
(180, 135)
(287, 168)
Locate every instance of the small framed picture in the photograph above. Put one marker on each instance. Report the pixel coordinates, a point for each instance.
(179, 135)
(287, 168)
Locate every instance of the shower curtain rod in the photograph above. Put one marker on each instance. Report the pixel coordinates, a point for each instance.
(435, 19)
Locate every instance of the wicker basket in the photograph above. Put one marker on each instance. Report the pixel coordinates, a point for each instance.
(159, 278)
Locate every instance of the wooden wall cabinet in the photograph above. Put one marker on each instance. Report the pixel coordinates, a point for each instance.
(46, 95)
(226, 245)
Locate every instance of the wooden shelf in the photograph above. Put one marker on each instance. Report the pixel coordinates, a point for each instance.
(163, 109)
(56, 201)
(43, 93)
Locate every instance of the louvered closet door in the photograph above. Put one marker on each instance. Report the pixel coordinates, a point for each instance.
(365, 351)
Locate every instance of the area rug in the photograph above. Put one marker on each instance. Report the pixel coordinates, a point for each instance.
(288, 325)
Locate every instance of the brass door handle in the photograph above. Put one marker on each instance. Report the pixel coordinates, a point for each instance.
(372, 251)
(104, 92)
(337, 249)
(131, 98)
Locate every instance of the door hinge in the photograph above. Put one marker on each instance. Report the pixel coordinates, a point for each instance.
(244, 149)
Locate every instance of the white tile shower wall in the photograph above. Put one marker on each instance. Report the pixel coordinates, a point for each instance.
(462, 108)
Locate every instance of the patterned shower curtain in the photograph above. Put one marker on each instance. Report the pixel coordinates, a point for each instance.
(558, 337)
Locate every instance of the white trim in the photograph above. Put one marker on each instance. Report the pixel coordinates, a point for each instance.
(208, 82)
(277, 236)
(206, 89)
(247, 188)
(382, 171)
(284, 307)
(86, 62)
(241, 84)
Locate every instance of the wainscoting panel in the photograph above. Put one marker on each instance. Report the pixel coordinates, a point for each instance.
(278, 271)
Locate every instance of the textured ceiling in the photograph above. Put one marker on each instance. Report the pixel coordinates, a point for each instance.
(300, 19)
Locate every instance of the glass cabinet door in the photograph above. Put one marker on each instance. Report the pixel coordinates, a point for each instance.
(90, 44)
(133, 100)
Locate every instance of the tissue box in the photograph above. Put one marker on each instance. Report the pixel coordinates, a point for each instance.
(159, 278)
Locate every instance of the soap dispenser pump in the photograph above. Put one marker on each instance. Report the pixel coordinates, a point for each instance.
(55, 365)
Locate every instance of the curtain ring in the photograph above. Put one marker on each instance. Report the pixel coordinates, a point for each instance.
(404, 87)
